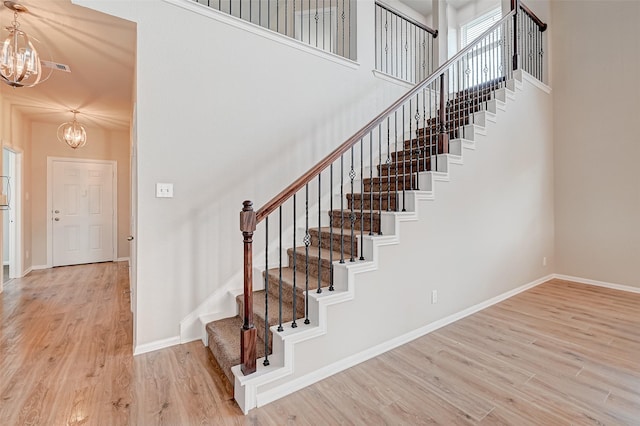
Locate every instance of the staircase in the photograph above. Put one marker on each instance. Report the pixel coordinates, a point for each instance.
(383, 192)
(298, 329)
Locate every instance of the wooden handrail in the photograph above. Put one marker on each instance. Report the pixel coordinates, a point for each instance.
(299, 183)
(541, 25)
(431, 31)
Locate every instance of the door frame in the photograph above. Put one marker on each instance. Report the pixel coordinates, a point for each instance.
(15, 227)
(114, 177)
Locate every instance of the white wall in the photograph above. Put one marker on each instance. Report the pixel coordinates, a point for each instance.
(240, 118)
(596, 109)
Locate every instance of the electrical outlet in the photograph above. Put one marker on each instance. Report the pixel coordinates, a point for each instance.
(434, 296)
(544, 261)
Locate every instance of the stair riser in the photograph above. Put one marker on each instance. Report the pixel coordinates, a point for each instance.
(453, 134)
(431, 132)
(358, 223)
(455, 111)
(259, 315)
(287, 289)
(379, 203)
(389, 184)
(324, 269)
(415, 166)
(412, 154)
(326, 238)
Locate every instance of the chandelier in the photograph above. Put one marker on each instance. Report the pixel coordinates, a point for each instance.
(19, 60)
(73, 133)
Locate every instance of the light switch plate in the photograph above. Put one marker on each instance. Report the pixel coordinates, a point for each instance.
(164, 190)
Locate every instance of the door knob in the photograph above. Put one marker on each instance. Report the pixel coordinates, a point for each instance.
(56, 211)
(130, 238)
(57, 219)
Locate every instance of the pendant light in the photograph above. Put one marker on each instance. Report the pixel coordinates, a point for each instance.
(20, 64)
(73, 133)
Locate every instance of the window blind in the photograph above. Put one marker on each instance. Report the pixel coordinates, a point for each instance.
(473, 29)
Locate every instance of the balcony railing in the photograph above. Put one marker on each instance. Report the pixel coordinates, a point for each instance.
(404, 47)
(325, 24)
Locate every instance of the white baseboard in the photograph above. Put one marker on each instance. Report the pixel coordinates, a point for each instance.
(38, 267)
(155, 345)
(336, 367)
(588, 281)
(122, 259)
(26, 271)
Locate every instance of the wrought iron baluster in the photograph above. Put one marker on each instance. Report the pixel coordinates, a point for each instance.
(331, 227)
(280, 270)
(352, 217)
(295, 298)
(395, 163)
(319, 239)
(370, 192)
(388, 163)
(307, 242)
(418, 152)
(349, 31)
(341, 209)
(424, 129)
(404, 165)
(404, 157)
(266, 292)
(379, 168)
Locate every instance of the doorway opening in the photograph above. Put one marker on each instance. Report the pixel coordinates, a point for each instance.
(11, 215)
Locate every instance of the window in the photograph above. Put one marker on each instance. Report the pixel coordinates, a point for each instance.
(485, 61)
(473, 29)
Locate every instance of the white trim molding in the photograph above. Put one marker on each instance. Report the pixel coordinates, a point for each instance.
(156, 345)
(604, 284)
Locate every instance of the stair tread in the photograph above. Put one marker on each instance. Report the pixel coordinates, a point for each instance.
(224, 343)
(287, 276)
(258, 308)
(368, 194)
(327, 230)
(313, 252)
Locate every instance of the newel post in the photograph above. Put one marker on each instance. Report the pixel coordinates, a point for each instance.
(443, 135)
(515, 6)
(248, 331)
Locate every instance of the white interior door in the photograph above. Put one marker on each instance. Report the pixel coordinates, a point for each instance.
(83, 212)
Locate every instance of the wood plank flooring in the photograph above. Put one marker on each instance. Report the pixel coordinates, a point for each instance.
(559, 354)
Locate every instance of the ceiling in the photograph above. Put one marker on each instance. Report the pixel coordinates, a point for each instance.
(99, 49)
(424, 7)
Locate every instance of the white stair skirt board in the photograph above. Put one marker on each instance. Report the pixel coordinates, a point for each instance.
(278, 379)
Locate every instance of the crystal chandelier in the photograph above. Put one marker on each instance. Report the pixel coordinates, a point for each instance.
(73, 133)
(19, 61)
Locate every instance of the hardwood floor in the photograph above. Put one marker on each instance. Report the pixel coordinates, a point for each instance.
(561, 353)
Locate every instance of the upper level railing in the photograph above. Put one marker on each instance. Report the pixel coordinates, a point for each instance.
(325, 24)
(404, 47)
(530, 40)
(372, 170)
